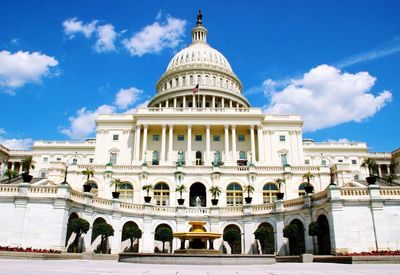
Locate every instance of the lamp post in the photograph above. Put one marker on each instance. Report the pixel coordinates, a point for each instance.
(65, 174)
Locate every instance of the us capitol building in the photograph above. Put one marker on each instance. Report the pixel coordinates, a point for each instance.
(199, 130)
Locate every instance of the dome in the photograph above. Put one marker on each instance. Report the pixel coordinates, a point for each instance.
(201, 54)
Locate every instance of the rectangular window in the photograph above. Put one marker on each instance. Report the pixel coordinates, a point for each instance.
(241, 138)
(181, 138)
(284, 159)
(340, 160)
(282, 138)
(353, 161)
(115, 137)
(199, 137)
(45, 160)
(216, 137)
(58, 159)
(113, 158)
(307, 161)
(156, 137)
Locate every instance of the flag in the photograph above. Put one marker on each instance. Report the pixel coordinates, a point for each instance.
(196, 89)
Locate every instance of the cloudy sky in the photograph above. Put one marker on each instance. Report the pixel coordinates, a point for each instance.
(336, 63)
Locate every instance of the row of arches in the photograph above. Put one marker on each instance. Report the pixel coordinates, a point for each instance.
(234, 193)
(265, 238)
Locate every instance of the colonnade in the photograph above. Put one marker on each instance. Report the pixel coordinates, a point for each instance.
(199, 101)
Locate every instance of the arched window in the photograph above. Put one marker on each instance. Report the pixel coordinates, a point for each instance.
(301, 189)
(126, 192)
(95, 189)
(234, 195)
(155, 159)
(242, 155)
(161, 194)
(269, 192)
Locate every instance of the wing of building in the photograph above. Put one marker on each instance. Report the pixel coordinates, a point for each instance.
(199, 130)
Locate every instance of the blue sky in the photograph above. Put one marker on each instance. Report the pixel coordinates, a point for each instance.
(334, 62)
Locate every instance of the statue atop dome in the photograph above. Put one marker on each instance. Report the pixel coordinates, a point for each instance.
(199, 18)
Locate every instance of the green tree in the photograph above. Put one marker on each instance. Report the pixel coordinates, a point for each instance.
(10, 174)
(263, 234)
(290, 231)
(117, 183)
(27, 163)
(314, 229)
(131, 232)
(215, 191)
(308, 177)
(180, 188)
(389, 179)
(249, 189)
(232, 236)
(78, 226)
(164, 234)
(104, 230)
(88, 172)
(370, 164)
(147, 188)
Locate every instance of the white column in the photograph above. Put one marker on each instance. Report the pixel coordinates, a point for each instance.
(204, 101)
(184, 101)
(163, 132)
(194, 101)
(230, 104)
(260, 139)
(226, 138)
(253, 144)
(189, 145)
(292, 141)
(137, 143)
(207, 158)
(379, 170)
(133, 144)
(174, 102)
(170, 141)
(144, 148)
(223, 103)
(213, 101)
(167, 103)
(234, 157)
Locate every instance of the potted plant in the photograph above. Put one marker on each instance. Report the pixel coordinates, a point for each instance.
(249, 189)
(78, 226)
(88, 173)
(117, 183)
(147, 188)
(10, 174)
(215, 192)
(370, 164)
(27, 164)
(181, 188)
(279, 182)
(308, 177)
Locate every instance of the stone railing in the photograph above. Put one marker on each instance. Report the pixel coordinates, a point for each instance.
(9, 188)
(40, 190)
(102, 203)
(263, 208)
(390, 192)
(130, 207)
(354, 192)
(320, 196)
(231, 211)
(164, 210)
(203, 211)
(77, 196)
(294, 203)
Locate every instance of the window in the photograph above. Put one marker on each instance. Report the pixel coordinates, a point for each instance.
(45, 159)
(91, 160)
(242, 155)
(269, 192)
(282, 138)
(156, 137)
(43, 174)
(126, 192)
(216, 138)
(302, 192)
(95, 189)
(241, 138)
(307, 161)
(353, 161)
(340, 160)
(181, 137)
(234, 195)
(74, 162)
(115, 137)
(161, 194)
(199, 138)
(323, 162)
(58, 159)
(113, 158)
(155, 159)
(284, 159)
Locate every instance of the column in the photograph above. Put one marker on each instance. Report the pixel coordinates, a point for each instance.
(167, 103)
(207, 157)
(226, 138)
(234, 157)
(194, 101)
(213, 101)
(170, 142)
(189, 144)
(223, 103)
(133, 144)
(230, 104)
(144, 148)
(253, 144)
(184, 101)
(163, 132)
(174, 102)
(137, 142)
(379, 170)
(204, 101)
(260, 139)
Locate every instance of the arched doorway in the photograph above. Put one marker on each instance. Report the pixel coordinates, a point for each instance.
(198, 190)
(97, 221)
(128, 246)
(296, 240)
(69, 231)
(266, 237)
(233, 236)
(324, 238)
(163, 238)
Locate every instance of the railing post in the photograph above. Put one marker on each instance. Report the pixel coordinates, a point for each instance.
(148, 235)
(378, 219)
(116, 220)
(280, 241)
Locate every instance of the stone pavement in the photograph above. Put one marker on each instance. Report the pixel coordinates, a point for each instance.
(15, 267)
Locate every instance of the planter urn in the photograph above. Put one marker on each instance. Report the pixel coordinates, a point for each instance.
(115, 195)
(371, 180)
(214, 202)
(280, 195)
(309, 189)
(147, 199)
(248, 200)
(87, 188)
(26, 177)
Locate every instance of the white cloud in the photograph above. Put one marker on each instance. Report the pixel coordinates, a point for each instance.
(155, 37)
(127, 97)
(83, 123)
(72, 26)
(326, 97)
(338, 140)
(106, 36)
(17, 69)
(388, 49)
(17, 144)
